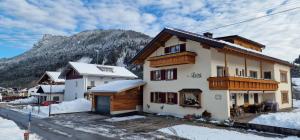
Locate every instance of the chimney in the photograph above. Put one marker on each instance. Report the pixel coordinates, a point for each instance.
(208, 34)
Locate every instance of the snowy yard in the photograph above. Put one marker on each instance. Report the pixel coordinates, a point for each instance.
(281, 119)
(196, 133)
(29, 100)
(79, 105)
(10, 131)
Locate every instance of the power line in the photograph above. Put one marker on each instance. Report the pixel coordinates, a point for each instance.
(251, 19)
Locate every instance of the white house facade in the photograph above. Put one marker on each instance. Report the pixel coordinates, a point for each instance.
(80, 77)
(188, 73)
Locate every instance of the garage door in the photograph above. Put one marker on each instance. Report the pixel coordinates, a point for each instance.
(103, 104)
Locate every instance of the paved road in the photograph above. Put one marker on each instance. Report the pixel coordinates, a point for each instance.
(47, 130)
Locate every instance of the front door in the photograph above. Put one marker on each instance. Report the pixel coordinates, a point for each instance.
(246, 99)
(103, 104)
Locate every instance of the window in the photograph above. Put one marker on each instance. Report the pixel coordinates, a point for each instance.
(92, 83)
(190, 98)
(220, 71)
(267, 75)
(171, 98)
(253, 74)
(175, 49)
(246, 98)
(158, 97)
(167, 74)
(283, 76)
(56, 98)
(105, 69)
(284, 97)
(237, 72)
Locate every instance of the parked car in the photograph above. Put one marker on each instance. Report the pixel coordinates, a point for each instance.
(47, 103)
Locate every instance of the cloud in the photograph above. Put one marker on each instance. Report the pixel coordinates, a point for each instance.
(26, 21)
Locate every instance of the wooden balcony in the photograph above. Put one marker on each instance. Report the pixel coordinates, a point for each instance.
(241, 83)
(173, 59)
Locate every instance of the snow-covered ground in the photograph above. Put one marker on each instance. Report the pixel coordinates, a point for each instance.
(29, 100)
(119, 119)
(10, 131)
(281, 119)
(204, 133)
(79, 105)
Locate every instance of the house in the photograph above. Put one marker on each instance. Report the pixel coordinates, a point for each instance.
(118, 97)
(296, 88)
(189, 73)
(80, 77)
(50, 93)
(23, 92)
(33, 91)
(51, 77)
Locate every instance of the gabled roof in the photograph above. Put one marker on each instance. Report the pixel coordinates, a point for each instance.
(98, 70)
(117, 86)
(241, 38)
(53, 75)
(167, 33)
(52, 88)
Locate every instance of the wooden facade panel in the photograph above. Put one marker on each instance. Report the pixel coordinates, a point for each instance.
(173, 59)
(127, 100)
(240, 83)
(247, 45)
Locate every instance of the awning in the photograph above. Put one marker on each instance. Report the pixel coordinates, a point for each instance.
(193, 90)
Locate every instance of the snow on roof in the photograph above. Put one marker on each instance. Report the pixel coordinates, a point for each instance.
(296, 81)
(55, 76)
(102, 70)
(53, 88)
(118, 86)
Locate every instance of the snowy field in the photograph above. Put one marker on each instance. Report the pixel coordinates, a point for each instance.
(281, 119)
(29, 100)
(79, 105)
(10, 131)
(204, 133)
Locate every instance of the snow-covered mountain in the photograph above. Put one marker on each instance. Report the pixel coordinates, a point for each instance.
(116, 47)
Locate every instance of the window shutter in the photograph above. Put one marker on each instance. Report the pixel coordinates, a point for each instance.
(152, 75)
(167, 49)
(151, 97)
(175, 74)
(175, 98)
(163, 74)
(163, 97)
(182, 48)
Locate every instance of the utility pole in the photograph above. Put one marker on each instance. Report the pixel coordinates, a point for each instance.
(50, 99)
(97, 51)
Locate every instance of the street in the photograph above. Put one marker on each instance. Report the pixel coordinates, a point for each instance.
(48, 130)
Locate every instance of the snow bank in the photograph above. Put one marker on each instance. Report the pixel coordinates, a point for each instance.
(196, 133)
(119, 119)
(29, 100)
(281, 119)
(10, 131)
(79, 105)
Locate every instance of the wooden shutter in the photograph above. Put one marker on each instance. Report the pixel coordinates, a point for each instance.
(175, 98)
(182, 48)
(152, 75)
(175, 73)
(163, 74)
(162, 95)
(151, 97)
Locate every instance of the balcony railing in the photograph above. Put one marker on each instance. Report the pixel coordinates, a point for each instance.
(241, 83)
(173, 59)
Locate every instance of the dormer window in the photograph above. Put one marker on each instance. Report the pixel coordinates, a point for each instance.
(175, 49)
(105, 69)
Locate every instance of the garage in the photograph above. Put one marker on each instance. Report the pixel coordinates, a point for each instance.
(118, 97)
(103, 104)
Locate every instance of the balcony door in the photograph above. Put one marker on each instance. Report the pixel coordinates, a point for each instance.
(220, 71)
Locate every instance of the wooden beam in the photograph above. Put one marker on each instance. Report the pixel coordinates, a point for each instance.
(260, 66)
(246, 69)
(225, 62)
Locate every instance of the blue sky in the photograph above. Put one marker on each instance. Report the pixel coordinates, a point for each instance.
(23, 22)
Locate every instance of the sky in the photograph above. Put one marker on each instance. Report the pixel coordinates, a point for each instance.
(24, 22)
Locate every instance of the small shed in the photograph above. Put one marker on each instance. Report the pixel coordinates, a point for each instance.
(118, 97)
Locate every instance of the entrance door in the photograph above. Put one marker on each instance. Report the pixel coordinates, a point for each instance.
(246, 99)
(255, 98)
(103, 104)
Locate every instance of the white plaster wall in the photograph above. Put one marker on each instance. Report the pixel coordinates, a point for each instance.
(101, 80)
(71, 90)
(218, 108)
(283, 86)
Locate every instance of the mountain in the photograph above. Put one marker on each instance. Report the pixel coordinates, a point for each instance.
(116, 47)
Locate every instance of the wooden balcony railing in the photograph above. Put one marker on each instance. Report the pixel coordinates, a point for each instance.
(173, 59)
(241, 83)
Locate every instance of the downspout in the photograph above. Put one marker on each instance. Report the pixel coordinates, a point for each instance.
(292, 85)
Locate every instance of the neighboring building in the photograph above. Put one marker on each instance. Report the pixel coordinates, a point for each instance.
(188, 73)
(50, 93)
(118, 97)
(0, 97)
(51, 77)
(296, 88)
(32, 91)
(82, 76)
(23, 92)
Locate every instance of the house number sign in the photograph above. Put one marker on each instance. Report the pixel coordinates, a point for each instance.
(195, 75)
